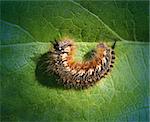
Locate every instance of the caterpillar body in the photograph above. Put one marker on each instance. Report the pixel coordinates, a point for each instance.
(80, 75)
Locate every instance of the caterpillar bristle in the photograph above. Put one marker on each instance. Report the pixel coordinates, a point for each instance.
(113, 46)
(79, 75)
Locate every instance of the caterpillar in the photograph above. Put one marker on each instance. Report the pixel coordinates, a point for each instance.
(79, 75)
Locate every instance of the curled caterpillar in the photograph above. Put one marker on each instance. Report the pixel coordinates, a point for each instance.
(80, 75)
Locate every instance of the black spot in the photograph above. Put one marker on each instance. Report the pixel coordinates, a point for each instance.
(63, 52)
(93, 73)
(112, 52)
(108, 70)
(105, 73)
(112, 61)
(107, 50)
(102, 69)
(56, 46)
(97, 70)
(69, 45)
(113, 57)
(107, 60)
(98, 77)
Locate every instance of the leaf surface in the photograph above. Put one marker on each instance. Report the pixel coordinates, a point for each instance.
(129, 19)
(25, 34)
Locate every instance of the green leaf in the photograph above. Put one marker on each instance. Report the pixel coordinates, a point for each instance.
(55, 20)
(129, 19)
(27, 95)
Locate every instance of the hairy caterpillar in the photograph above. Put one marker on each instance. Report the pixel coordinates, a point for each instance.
(79, 75)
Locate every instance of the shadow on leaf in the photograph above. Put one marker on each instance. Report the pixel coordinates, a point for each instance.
(45, 78)
(89, 55)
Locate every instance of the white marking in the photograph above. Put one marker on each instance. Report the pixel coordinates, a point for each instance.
(105, 52)
(73, 71)
(68, 68)
(98, 67)
(63, 55)
(65, 63)
(104, 60)
(55, 55)
(90, 71)
(81, 72)
(77, 81)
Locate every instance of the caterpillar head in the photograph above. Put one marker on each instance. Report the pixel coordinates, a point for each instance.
(61, 45)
